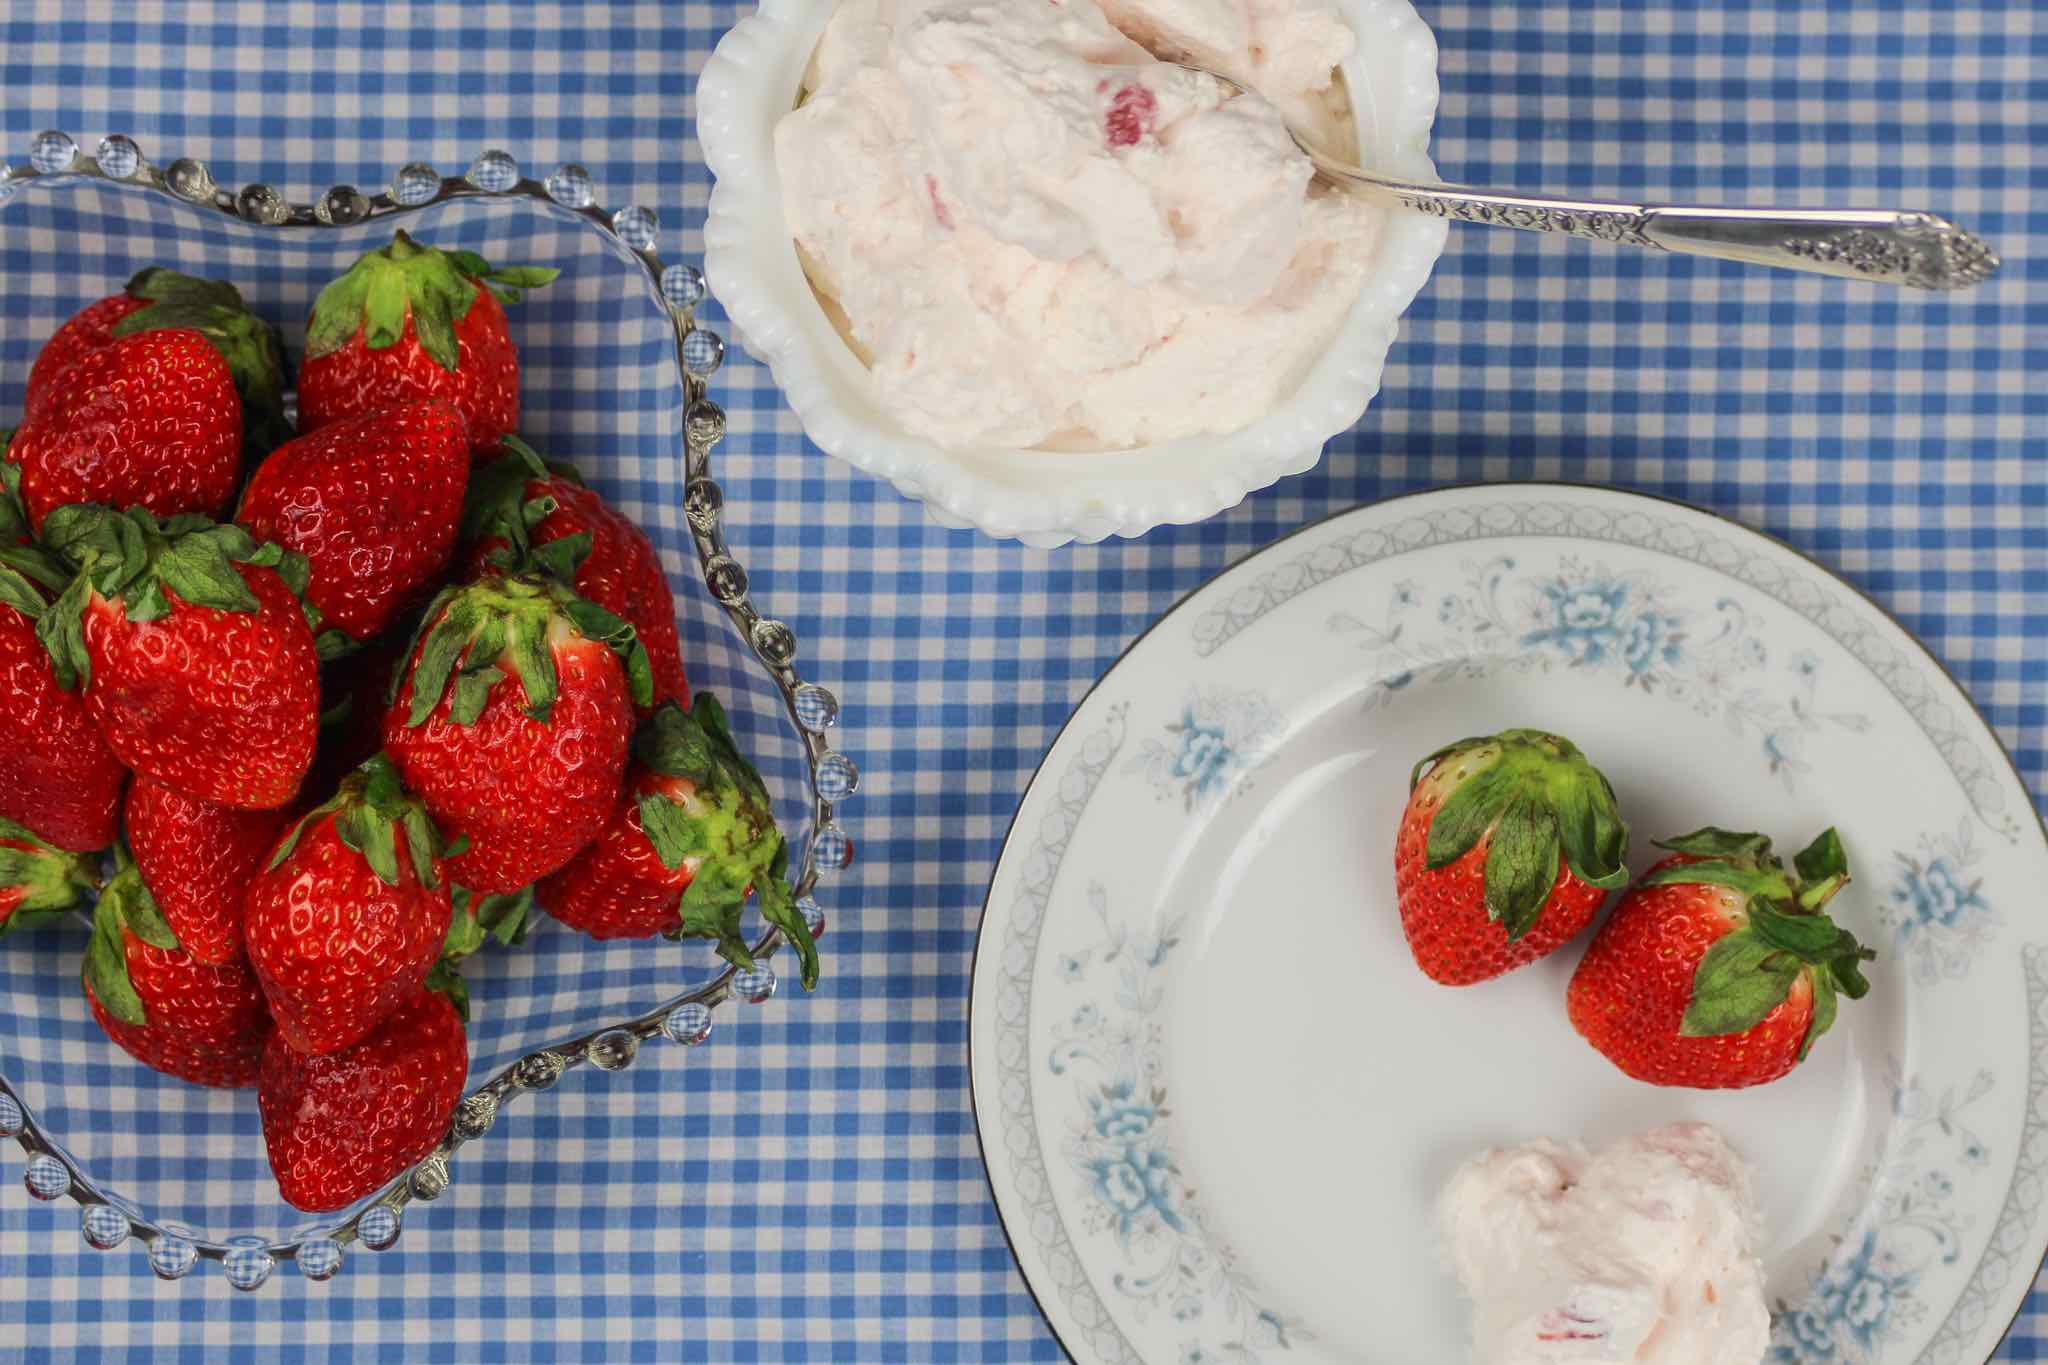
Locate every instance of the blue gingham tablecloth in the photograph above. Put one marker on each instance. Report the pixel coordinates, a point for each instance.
(817, 1192)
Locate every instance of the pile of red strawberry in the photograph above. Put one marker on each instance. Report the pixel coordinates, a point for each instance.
(330, 709)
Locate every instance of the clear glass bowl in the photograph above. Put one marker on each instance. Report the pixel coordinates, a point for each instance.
(613, 370)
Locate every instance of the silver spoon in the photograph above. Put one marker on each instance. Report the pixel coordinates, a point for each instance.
(1919, 250)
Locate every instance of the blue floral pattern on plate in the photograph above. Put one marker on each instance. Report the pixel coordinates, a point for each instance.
(1621, 625)
(1218, 737)
(1867, 1295)
(1112, 1045)
(1936, 909)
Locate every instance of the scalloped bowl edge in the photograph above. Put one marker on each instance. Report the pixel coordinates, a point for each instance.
(1040, 498)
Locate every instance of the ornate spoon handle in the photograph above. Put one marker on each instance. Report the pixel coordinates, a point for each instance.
(1918, 250)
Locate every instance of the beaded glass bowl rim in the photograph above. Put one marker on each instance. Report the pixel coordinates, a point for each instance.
(107, 1218)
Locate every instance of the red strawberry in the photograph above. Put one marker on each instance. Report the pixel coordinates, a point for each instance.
(154, 408)
(197, 859)
(372, 502)
(409, 322)
(520, 507)
(87, 330)
(149, 421)
(693, 833)
(57, 775)
(1506, 849)
(165, 1008)
(512, 724)
(37, 878)
(337, 1127)
(1132, 117)
(618, 886)
(157, 299)
(348, 915)
(194, 654)
(1718, 970)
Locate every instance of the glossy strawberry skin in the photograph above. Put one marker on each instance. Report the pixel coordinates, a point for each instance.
(86, 330)
(335, 947)
(622, 574)
(149, 420)
(1443, 911)
(221, 705)
(338, 1127)
(197, 859)
(354, 380)
(372, 502)
(57, 776)
(1630, 993)
(617, 887)
(526, 794)
(207, 1024)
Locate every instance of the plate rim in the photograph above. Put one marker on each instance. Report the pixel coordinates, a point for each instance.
(1510, 488)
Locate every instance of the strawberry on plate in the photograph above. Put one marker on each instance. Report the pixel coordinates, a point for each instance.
(38, 879)
(338, 1126)
(57, 776)
(523, 515)
(693, 833)
(349, 913)
(192, 651)
(373, 503)
(197, 858)
(165, 1008)
(409, 321)
(1718, 969)
(1506, 849)
(511, 722)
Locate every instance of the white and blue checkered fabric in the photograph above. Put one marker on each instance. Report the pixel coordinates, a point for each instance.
(807, 1187)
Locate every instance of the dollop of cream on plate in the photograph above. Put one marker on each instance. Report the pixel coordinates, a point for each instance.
(1641, 1253)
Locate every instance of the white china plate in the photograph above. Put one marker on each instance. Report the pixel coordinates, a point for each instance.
(1217, 1099)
